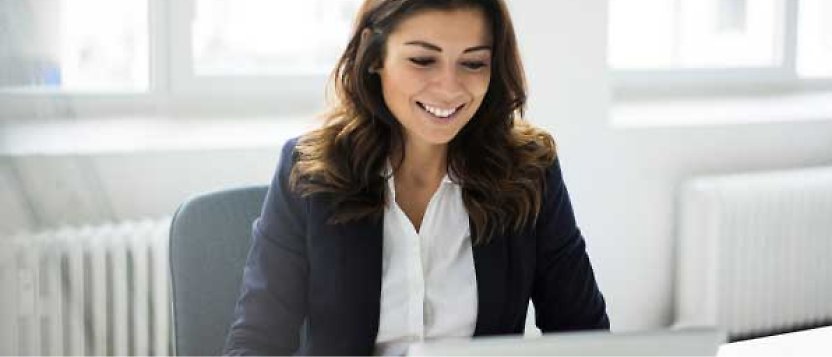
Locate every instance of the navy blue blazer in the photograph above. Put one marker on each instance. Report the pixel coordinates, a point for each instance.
(301, 269)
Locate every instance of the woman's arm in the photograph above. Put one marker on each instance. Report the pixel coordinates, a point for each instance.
(565, 294)
(272, 302)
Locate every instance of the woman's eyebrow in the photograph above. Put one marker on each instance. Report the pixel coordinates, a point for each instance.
(436, 48)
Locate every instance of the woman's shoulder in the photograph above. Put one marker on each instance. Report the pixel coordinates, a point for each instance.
(289, 145)
(289, 150)
(533, 146)
(287, 158)
(296, 147)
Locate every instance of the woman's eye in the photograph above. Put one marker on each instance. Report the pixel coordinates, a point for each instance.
(422, 61)
(474, 65)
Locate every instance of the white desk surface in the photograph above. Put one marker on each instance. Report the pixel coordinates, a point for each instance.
(814, 342)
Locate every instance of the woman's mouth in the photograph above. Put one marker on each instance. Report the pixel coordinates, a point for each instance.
(440, 112)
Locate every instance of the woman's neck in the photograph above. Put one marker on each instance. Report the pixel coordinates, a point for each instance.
(423, 165)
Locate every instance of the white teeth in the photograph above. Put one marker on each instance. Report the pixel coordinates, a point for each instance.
(439, 112)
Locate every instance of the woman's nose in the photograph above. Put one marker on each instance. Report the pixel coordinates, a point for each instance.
(448, 83)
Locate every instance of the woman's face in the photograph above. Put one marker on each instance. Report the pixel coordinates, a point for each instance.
(436, 71)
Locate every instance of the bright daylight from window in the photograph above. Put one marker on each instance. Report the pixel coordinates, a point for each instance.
(257, 37)
(79, 45)
(814, 45)
(693, 34)
(104, 45)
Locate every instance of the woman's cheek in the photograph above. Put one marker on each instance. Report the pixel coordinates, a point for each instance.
(479, 85)
(406, 80)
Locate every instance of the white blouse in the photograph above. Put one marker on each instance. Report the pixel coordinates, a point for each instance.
(429, 285)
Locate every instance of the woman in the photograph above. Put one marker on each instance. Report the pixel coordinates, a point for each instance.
(425, 207)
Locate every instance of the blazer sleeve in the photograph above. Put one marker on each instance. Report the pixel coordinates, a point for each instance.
(273, 298)
(565, 294)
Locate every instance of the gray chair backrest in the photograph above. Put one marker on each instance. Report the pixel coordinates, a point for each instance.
(209, 241)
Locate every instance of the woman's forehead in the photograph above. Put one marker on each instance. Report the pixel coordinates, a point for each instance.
(454, 28)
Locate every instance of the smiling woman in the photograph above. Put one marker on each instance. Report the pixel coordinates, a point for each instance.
(425, 207)
(432, 81)
(440, 56)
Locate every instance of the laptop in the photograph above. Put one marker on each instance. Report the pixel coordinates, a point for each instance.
(676, 342)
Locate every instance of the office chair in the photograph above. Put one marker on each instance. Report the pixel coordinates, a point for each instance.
(209, 241)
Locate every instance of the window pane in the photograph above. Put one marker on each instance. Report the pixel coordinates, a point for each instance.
(255, 37)
(814, 44)
(674, 34)
(74, 44)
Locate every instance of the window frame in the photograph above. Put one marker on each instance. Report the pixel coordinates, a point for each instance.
(184, 81)
(653, 83)
(173, 89)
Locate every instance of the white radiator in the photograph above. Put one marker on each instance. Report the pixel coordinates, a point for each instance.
(100, 290)
(755, 252)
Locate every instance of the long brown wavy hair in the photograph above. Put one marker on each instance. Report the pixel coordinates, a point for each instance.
(498, 158)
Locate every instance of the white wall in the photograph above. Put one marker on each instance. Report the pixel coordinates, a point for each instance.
(623, 181)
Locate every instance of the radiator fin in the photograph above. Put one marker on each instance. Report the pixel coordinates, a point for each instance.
(753, 252)
(93, 290)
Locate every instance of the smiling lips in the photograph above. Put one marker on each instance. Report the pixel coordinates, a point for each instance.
(440, 112)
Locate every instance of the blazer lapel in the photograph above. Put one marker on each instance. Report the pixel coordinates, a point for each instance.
(491, 265)
(354, 252)
(363, 241)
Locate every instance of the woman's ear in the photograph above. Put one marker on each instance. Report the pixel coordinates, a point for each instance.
(376, 66)
(365, 35)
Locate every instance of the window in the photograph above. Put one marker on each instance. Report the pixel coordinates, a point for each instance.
(168, 55)
(661, 45)
(814, 44)
(265, 37)
(257, 46)
(79, 45)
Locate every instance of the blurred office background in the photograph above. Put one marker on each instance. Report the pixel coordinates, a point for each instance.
(695, 137)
